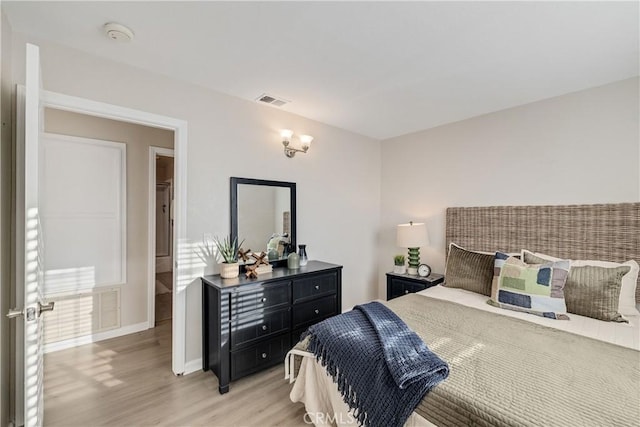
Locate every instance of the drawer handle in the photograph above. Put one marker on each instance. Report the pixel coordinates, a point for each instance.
(316, 311)
(264, 327)
(406, 292)
(264, 355)
(264, 299)
(317, 287)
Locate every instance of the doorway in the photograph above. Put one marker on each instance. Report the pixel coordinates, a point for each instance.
(181, 275)
(161, 256)
(95, 262)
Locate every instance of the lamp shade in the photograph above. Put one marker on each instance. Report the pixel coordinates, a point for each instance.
(286, 134)
(306, 141)
(412, 235)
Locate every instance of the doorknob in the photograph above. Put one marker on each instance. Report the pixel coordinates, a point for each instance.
(45, 307)
(14, 312)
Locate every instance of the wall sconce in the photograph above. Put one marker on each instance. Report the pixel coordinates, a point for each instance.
(305, 143)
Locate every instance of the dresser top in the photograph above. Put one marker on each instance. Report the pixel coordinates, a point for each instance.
(277, 274)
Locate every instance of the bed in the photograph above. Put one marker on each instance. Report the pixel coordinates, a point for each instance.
(507, 367)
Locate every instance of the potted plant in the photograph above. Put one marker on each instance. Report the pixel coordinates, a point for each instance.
(399, 267)
(228, 250)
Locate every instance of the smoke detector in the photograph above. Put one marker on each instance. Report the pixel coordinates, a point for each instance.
(118, 32)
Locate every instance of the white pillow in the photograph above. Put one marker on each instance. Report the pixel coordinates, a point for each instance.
(627, 301)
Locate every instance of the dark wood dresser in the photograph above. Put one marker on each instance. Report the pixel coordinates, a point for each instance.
(251, 324)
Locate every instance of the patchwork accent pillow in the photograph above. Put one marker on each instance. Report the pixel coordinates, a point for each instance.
(591, 290)
(535, 289)
(469, 270)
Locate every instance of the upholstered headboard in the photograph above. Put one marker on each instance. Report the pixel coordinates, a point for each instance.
(608, 232)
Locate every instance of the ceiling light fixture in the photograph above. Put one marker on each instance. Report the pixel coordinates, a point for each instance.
(118, 32)
(305, 142)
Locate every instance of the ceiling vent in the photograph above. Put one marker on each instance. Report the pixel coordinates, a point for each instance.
(272, 100)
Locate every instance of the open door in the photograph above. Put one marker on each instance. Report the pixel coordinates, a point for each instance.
(29, 306)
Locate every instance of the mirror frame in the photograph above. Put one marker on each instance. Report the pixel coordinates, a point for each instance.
(235, 181)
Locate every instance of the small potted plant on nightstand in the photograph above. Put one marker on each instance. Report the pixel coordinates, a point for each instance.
(228, 250)
(399, 266)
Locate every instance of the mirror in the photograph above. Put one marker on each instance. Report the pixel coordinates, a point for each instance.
(263, 213)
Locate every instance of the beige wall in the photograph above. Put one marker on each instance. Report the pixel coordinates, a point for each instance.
(6, 155)
(138, 139)
(338, 181)
(583, 147)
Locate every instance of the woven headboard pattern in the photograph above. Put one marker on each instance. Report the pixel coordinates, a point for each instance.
(608, 232)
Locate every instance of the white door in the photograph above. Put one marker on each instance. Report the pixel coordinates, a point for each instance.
(29, 373)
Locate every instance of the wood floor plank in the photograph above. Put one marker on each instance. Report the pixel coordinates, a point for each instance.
(127, 381)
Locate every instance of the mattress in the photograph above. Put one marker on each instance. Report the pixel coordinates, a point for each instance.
(325, 406)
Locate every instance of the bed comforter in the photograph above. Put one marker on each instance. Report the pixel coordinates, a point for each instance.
(509, 372)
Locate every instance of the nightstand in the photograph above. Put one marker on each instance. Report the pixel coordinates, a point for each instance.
(401, 284)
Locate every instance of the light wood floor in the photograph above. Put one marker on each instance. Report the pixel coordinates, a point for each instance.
(127, 381)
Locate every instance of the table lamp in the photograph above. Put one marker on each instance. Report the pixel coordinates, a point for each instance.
(412, 236)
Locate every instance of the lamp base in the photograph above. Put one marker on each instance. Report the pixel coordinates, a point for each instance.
(414, 261)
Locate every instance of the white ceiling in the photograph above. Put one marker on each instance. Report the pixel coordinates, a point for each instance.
(380, 69)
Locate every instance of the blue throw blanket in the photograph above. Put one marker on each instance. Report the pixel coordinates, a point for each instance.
(382, 368)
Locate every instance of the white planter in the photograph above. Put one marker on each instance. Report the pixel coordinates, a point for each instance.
(399, 269)
(229, 271)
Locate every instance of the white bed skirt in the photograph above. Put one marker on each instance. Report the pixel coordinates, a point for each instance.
(320, 395)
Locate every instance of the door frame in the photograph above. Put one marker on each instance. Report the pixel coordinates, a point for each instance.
(179, 127)
(151, 241)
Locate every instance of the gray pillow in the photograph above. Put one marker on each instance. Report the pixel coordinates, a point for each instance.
(469, 270)
(591, 291)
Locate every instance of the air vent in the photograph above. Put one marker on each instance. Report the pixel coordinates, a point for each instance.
(272, 100)
(81, 315)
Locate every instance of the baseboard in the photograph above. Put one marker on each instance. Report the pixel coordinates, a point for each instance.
(192, 366)
(88, 339)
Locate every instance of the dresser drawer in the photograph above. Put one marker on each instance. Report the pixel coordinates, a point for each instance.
(314, 311)
(401, 287)
(315, 286)
(247, 329)
(270, 295)
(259, 356)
